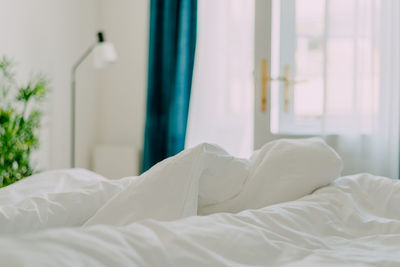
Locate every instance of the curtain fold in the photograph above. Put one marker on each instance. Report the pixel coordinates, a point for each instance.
(372, 142)
(171, 58)
(222, 103)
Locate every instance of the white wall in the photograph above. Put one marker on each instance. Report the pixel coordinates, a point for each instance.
(47, 36)
(123, 85)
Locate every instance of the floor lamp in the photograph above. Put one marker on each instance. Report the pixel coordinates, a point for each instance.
(104, 53)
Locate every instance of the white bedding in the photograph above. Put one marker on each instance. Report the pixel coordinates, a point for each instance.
(353, 221)
(54, 199)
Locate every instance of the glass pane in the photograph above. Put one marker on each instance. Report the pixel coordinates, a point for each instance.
(309, 87)
(298, 42)
(308, 90)
(310, 16)
(342, 18)
(340, 76)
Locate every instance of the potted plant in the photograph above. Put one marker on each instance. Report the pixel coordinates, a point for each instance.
(20, 119)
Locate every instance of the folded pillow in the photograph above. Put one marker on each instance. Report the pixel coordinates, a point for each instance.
(283, 170)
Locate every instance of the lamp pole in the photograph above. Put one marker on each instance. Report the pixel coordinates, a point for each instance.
(73, 100)
(109, 55)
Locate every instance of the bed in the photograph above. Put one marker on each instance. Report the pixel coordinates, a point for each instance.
(287, 205)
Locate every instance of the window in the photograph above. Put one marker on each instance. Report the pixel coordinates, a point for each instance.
(332, 52)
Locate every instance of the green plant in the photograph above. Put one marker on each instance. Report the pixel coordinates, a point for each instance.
(20, 118)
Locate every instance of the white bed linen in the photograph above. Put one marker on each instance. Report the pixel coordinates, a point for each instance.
(354, 222)
(54, 199)
(282, 170)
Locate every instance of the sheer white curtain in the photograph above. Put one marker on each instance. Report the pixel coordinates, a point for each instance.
(221, 105)
(346, 52)
(369, 128)
(358, 82)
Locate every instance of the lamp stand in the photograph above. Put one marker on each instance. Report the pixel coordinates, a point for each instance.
(73, 100)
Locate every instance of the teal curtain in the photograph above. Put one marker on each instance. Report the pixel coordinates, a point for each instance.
(171, 58)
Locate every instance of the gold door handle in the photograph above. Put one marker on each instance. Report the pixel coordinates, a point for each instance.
(288, 82)
(265, 83)
(265, 80)
(286, 91)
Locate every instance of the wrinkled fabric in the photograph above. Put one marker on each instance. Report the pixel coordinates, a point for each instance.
(353, 222)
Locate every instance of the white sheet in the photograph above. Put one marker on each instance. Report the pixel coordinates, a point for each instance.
(54, 199)
(355, 220)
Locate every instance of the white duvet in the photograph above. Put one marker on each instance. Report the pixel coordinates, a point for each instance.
(285, 206)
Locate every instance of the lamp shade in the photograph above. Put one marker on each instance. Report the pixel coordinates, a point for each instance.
(104, 54)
